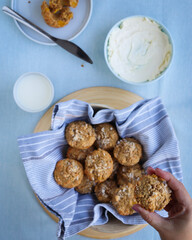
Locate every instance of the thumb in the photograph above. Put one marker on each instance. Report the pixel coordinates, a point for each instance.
(152, 218)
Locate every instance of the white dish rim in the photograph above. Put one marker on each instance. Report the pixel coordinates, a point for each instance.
(52, 43)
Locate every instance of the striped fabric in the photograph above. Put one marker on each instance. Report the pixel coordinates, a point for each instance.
(146, 120)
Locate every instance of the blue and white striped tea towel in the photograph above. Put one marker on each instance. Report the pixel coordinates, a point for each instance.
(145, 120)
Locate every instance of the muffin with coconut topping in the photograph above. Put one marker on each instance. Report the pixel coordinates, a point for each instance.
(86, 186)
(115, 168)
(79, 154)
(128, 151)
(127, 174)
(80, 135)
(98, 165)
(124, 199)
(106, 136)
(152, 193)
(104, 191)
(68, 173)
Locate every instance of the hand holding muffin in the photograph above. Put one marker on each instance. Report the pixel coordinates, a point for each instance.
(178, 224)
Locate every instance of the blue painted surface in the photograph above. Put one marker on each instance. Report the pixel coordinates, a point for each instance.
(21, 216)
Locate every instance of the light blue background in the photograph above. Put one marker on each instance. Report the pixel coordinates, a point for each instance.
(21, 216)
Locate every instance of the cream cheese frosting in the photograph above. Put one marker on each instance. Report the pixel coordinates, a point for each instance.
(138, 49)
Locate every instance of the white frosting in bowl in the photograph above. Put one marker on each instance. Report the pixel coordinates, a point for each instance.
(138, 49)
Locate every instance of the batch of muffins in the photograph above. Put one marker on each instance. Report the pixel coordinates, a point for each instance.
(57, 13)
(98, 161)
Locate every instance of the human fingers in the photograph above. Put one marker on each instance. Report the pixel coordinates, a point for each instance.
(177, 211)
(150, 170)
(178, 188)
(152, 218)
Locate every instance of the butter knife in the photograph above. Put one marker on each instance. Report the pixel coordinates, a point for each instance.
(67, 45)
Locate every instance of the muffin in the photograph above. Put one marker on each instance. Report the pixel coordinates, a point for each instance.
(98, 165)
(104, 191)
(124, 199)
(55, 5)
(86, 186)
(68, 173)
(70, 3)
(152, 193)
(115, 168)
(106, 136)
(128, 151)
(127, 174)
(79, 154)
(56, 20)
(80, 135)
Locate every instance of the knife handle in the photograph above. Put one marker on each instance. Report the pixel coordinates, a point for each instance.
(71, 47)
(25, 21)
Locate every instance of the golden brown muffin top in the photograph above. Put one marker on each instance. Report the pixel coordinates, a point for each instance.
(124, 199)
(98, 165)
(128, 151)
(80, 134)
(68, 173)
(106, 136)
(152, 192)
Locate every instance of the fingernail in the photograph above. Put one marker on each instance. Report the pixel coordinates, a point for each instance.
(150, 170)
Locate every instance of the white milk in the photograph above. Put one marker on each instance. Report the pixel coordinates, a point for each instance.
(33, 92)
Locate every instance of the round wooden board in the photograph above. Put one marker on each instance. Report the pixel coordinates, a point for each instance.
(113, 98)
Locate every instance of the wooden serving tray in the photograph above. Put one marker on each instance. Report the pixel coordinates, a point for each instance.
(105, 97)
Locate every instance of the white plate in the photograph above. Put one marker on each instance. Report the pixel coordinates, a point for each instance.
(32, 11)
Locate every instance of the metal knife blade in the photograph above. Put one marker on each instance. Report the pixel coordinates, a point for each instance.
(73, 49)
(67, 45)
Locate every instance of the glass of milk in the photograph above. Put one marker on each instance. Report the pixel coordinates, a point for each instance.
(33, 92)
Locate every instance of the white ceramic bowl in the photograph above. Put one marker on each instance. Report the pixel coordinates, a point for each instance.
(33, 92)
(163, 29)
